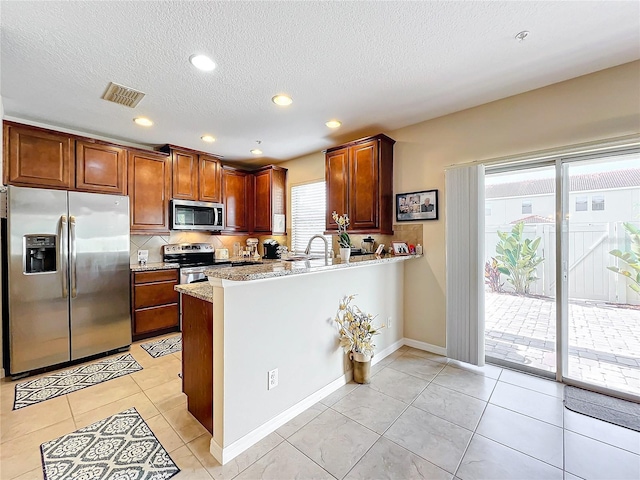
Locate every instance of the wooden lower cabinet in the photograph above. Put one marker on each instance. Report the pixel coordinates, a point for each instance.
(154, 303)
(197, 358)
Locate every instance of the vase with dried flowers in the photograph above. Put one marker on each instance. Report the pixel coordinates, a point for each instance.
(343, 237)
(356, 331)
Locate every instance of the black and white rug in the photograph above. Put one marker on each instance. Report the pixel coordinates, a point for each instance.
(67, 381)
(120, 447)
(163, 347)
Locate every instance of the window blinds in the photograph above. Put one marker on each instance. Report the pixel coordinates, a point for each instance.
(308, 210)
(465, 269)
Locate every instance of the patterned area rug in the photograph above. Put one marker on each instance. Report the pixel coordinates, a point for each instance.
(163, 347)
(67, 381)
(120, 447)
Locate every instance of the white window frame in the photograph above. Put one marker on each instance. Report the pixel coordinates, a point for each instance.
(583, 201)
(596, 201)
(303, 225)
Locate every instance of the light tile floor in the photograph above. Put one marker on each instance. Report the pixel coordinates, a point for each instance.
(422, 416)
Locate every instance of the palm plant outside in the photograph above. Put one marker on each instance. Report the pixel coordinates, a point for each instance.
(518, 258)
(631, 258)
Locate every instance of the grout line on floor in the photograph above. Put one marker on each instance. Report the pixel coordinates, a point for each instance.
(466, 449)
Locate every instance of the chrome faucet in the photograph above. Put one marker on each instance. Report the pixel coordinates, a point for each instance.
(326, 247)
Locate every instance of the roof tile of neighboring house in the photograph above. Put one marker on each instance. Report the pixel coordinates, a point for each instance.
(592, 181)
(534, 219)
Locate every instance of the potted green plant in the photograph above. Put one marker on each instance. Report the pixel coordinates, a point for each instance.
(356, 332)
(343, 237)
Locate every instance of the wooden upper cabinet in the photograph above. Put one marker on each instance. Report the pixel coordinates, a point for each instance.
(363, 186)
(236, 196)
(149, 192)
(262, 192)
(185, 175)
(100, 168)
(337, 184)
(359, 178)
(210, 179)
(270, 200)
(37, 157)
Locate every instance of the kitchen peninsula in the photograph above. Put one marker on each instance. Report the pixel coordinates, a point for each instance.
(248, 321)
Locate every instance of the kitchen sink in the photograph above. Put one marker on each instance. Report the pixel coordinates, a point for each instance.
(302, 257)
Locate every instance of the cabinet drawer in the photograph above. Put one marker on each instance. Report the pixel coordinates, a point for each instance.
(156, 318)
(155, 276)
(155, 294)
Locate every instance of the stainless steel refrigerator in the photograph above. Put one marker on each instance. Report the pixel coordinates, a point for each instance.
(66, 256)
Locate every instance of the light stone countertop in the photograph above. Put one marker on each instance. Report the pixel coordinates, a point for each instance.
(281, 268)
(154, 266)
(201, 290)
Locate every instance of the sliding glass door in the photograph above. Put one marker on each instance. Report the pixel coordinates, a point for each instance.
(602, 269)
(588, 210)
(520, 303)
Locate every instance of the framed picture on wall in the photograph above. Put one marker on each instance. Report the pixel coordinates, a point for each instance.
(417, 206)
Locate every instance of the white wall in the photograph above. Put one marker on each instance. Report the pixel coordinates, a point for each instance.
(287, 323)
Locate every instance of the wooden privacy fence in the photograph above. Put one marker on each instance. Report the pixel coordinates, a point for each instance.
(589, 247)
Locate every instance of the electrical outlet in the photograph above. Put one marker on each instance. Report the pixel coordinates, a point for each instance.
(388, 322)
(273, 379)
(143, 256)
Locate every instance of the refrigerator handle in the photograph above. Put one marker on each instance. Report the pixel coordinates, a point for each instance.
(74, 276)
(63, 251)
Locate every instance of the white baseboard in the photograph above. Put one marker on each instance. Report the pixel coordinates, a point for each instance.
(427, 347)
(387, 351)
(224, 455)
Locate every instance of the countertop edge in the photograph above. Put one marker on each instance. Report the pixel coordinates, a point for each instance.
(282, 268)
(200, 290)
(154, 266)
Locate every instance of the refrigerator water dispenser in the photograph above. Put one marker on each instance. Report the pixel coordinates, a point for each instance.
(40, 253)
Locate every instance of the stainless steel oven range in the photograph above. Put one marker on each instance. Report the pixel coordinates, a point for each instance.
(193, 258)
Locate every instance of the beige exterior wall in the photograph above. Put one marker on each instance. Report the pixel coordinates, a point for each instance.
(601, 105)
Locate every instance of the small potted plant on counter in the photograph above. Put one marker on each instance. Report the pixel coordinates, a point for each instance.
(343, 237)
(356, 332)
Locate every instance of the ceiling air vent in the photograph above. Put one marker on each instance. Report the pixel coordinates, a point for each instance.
(123, 95)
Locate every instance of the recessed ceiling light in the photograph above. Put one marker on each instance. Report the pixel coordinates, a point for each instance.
(282, 100)
(208, 138)
(202, 62)
(520, 36)
(333, 123)
(256, 151)
(143, 122)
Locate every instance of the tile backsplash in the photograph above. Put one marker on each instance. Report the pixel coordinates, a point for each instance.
(154, 243)
(411, 233)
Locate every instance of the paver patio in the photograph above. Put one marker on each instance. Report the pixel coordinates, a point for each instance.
(604, 340)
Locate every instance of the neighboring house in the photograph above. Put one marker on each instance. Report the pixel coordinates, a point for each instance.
(594, 198)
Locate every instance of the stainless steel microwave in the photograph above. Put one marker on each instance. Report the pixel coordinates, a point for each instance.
(190, 215)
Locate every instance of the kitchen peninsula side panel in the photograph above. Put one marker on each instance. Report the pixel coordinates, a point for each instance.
(197, 358)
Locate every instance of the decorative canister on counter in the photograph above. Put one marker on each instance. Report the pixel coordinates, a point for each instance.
(418, 249)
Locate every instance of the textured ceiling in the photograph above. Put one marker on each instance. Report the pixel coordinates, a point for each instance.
(376, 66)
